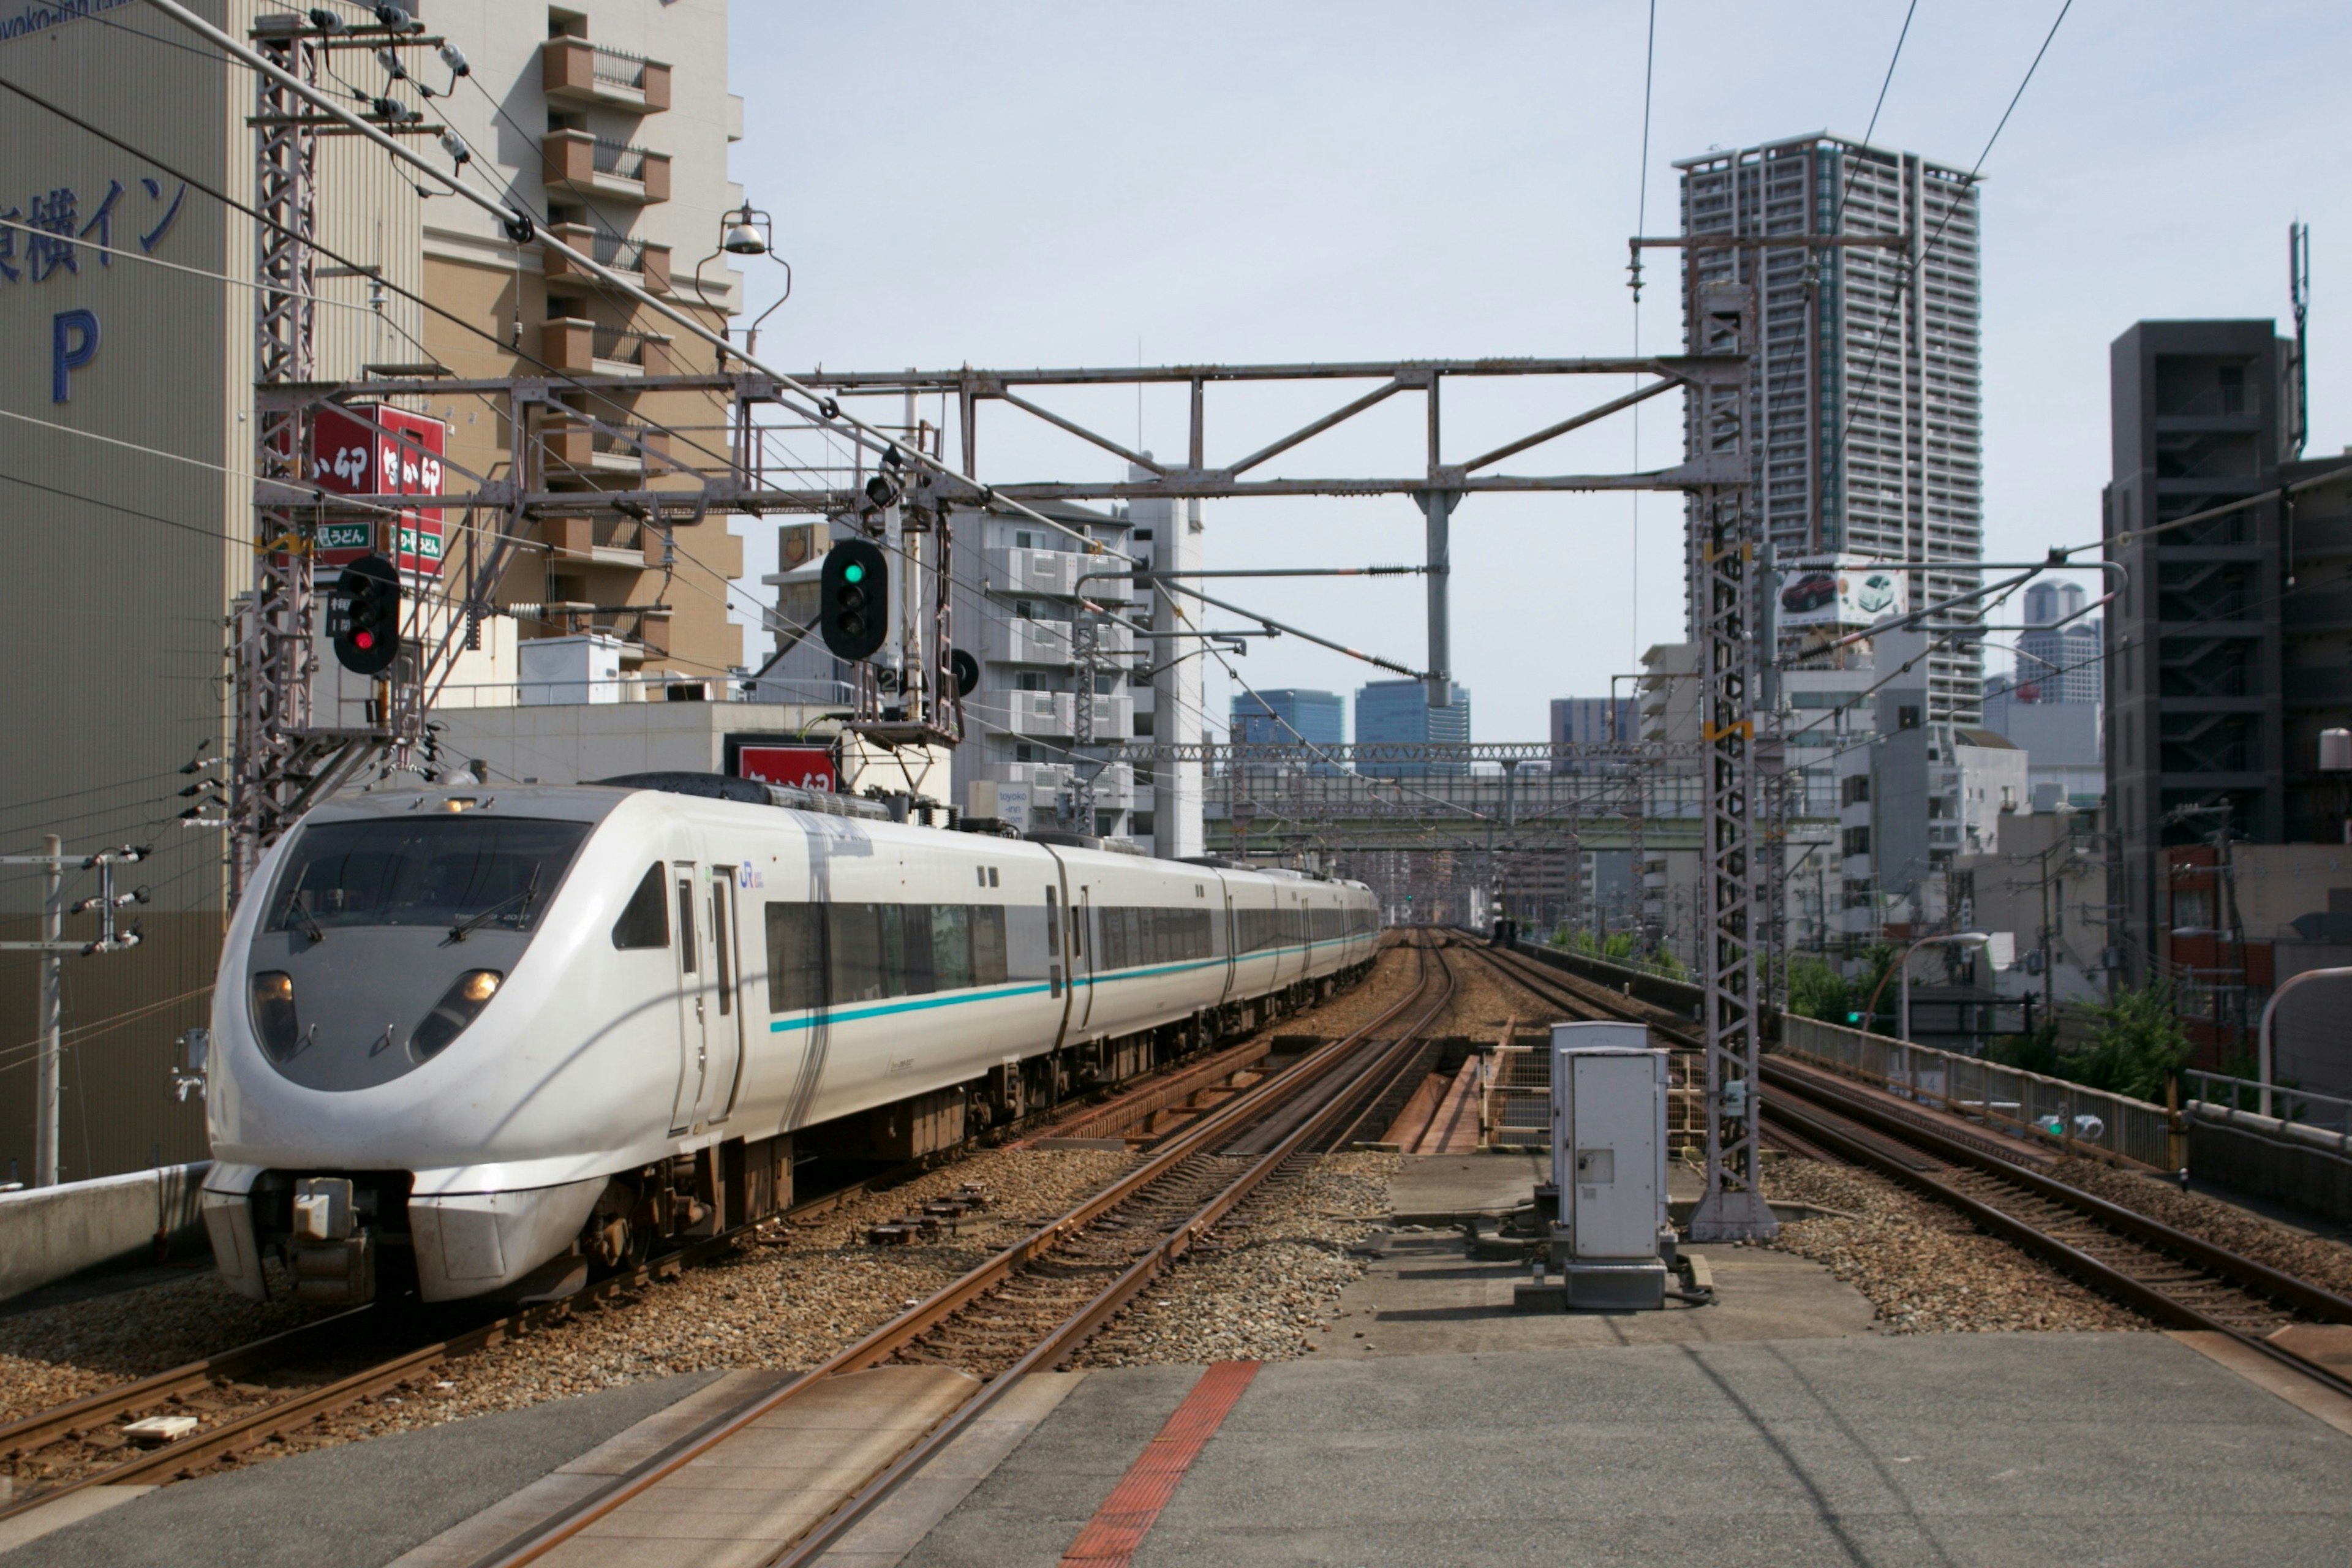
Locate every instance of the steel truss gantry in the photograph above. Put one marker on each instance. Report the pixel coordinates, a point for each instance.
(1718, 476)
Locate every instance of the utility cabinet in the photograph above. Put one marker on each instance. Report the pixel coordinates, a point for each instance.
(1609, 1166)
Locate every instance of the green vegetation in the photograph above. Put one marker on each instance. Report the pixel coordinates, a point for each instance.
(1618, 948)
(2138, 1047)
(1817, 990)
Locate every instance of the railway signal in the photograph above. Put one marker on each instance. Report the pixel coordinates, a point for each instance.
(363, 615)
(853, 611)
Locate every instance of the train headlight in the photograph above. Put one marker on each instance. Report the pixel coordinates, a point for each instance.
(460, 1006)
(274, 1023)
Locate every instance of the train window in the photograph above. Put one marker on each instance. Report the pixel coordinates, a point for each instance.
(796, 957)
(854, 951)
(424, 872)
(1053, 923)
(688, 953)
(992, 877)
(989, 965)
(950, 944)
(912, 968)
(981, 871)
(645, 919)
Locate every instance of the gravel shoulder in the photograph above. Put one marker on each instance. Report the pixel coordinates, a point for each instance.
(1275, 1281)
(2324, 1263)
(1925, 1268)
(56, 1355)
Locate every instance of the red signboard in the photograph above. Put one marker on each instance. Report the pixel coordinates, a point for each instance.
(802, 767)
(378, 451)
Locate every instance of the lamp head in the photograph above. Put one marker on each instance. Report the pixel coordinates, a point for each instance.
(746, 232)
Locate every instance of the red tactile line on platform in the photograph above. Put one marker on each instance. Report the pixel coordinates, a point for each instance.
(1127, 1516)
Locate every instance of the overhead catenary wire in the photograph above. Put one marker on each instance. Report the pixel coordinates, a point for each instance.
(1907, 276)
(571, 381)
(1641, 226)
(817, 404)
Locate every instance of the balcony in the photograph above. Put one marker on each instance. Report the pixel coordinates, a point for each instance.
(583, 348)
(641, 261)
(601, 541)
(574, 70)
(1046, 571)
(1016, 639)
(576, 162)
(577, 451)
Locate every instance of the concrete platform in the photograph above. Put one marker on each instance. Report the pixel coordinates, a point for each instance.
(1776, 1427)
(2125, 1450)
(357, 1506)
(748, 1499)
(1422, 1297)
(1433, 1185)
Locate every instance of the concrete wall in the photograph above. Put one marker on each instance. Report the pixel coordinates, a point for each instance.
(48, 1234)
(2260, 1156)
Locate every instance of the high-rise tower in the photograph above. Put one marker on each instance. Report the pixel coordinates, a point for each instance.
(1869, 410)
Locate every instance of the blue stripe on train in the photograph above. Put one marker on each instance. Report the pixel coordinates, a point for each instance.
(953, 998)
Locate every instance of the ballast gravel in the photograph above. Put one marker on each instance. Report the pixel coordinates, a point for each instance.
(1925, 1268)
(787, 1306)
(52, 1356)
(1272, 1282)
(2324, 1263)
(784, 1306)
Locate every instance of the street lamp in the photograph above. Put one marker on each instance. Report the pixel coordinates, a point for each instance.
(2263, 1059)
(1903, 969)
(747, 231)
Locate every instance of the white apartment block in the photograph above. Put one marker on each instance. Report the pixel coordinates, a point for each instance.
(1869, 407)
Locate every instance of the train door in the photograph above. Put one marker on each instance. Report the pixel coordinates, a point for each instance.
(1082, 953)
(695, 1026)
(1232, 946)
(1057, 949)
(723, 1073)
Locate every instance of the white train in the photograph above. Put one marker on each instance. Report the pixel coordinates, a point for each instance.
(482, 1041)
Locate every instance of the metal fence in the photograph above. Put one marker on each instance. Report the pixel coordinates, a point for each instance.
(2321, 1120)
(1518, 1109)
(1516, 1112)
(2046, 1112)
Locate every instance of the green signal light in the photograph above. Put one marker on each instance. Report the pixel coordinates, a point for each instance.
(853, 572)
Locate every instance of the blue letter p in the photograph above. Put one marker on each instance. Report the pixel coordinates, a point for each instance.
(66, 354)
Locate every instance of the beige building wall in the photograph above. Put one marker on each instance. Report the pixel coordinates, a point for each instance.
(130, 504)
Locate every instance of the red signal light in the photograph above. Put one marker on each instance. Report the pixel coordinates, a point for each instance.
(363, 640)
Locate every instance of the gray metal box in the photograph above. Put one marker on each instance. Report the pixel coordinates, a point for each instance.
(1608, 1162)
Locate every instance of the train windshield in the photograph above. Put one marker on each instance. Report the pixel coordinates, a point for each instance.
(478, 871)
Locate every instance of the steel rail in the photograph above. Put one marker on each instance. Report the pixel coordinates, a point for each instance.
(1077, 1329)
(1260, 1099)
(1574, 992)
(1827, 1116)
(21, 1437)
(183, 1459)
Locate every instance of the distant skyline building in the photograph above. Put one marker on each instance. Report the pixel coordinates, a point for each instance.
(1592, 720)
(1398, 712)
(1287, 716)
(2058, 663)
(1869, 411)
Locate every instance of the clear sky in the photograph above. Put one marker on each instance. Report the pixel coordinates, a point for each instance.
(1064, 184)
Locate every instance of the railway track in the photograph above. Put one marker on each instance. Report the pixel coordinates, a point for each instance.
(2171, 1277)
(1588, 999)
(276, 1387)
(80, 1444)
(1036, 1303)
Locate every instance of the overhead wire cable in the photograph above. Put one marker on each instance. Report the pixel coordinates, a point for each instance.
(816, 402)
